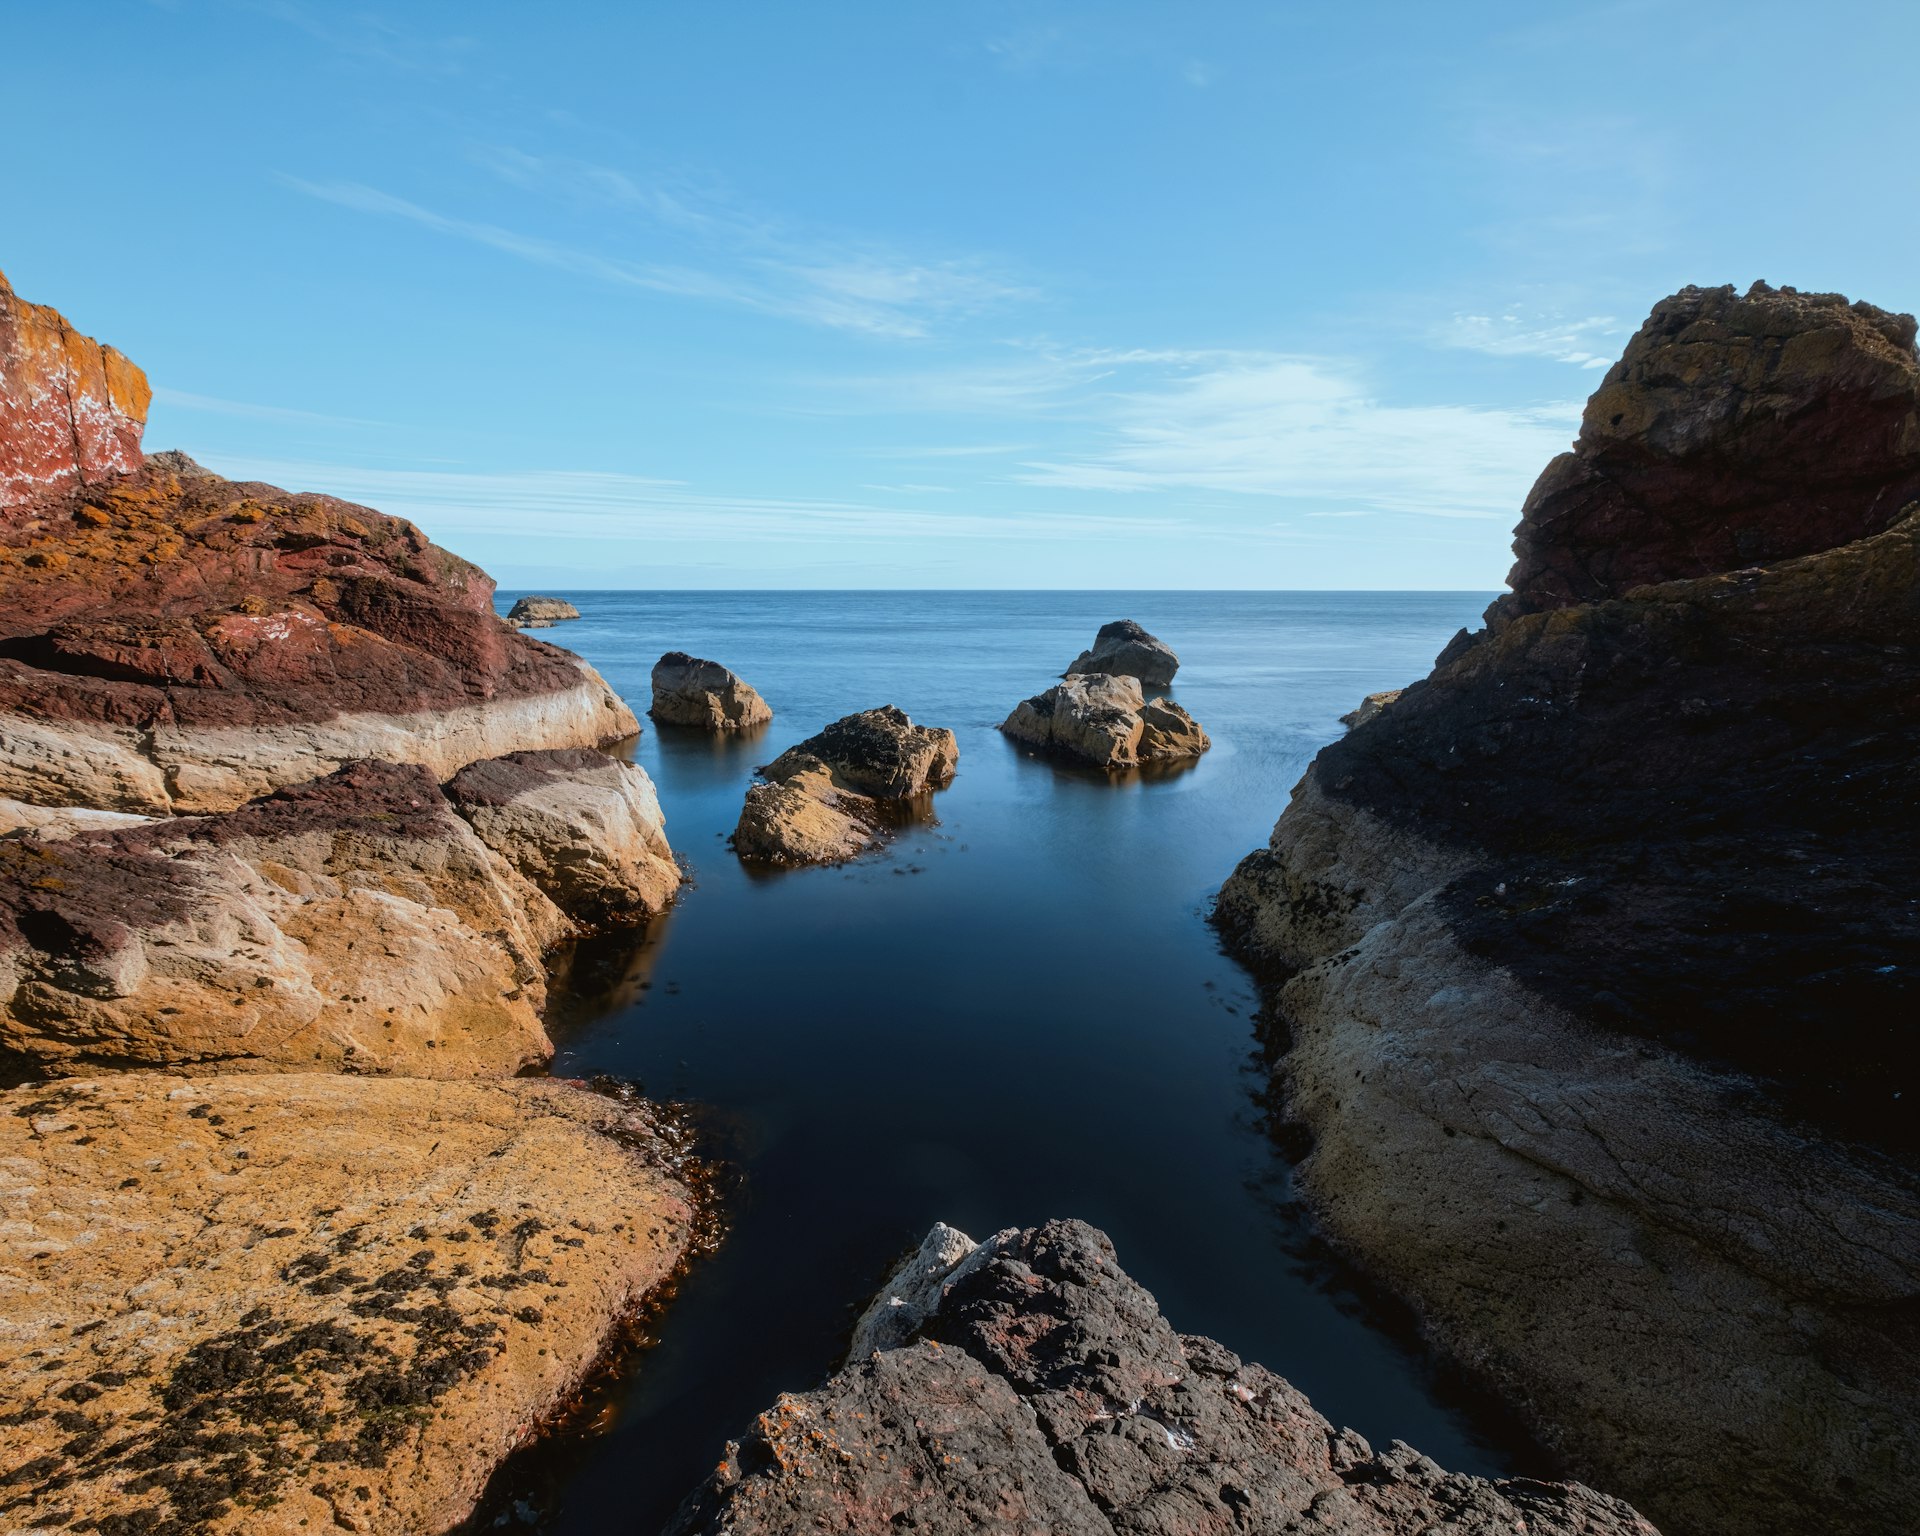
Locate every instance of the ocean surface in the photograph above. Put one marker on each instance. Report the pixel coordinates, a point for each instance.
(1016, 1012)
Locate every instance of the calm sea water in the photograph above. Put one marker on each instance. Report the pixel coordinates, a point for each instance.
(1016, 1012)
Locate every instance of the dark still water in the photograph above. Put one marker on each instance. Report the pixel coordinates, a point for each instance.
(1015, 1013)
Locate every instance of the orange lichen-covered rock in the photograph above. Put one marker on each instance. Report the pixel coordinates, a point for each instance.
(71, 409)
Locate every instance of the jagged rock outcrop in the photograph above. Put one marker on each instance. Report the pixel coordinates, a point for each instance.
(1734, 431)
(705, 695)
(71, 410)
(583, 827)
(1370, 706)
(357, 922)
(540, 612)
(837, 794)
(1124, 649)
(302, 1303)
(1107, 721)
(1039, 1390)
(1595, 953)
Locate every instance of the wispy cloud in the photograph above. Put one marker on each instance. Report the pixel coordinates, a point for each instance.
(1027, 48)
(562, 503)
(1584, 343)
(1303, 429)
(181, 400)
(1197, 73)
(732, 256)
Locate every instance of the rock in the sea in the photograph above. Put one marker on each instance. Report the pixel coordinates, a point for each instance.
(704, 694)
(1734, 431)
(174, 641)
(1040, 1392)
(1124, 649)
(1107, 721)
(356, 922)
(539, 612)
(583, 827)
(1370, 706)
(838, 793)
(71, 410)
(1603, 945)
(286, 1304)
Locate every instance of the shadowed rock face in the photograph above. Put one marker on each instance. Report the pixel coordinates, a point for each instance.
(304, 1303)
(1124, 649)
(1602, 942)
(71, 410)
(1107, 721)
(838, 793)
(1734, 431)
(705, 695)
(1039, 1390)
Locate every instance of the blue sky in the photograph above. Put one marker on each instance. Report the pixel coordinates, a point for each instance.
(915, 294)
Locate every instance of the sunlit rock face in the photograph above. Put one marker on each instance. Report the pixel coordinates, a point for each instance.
(71, 409)
(1595, 951)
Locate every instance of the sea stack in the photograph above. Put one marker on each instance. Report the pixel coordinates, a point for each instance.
(704, 695)
(1124, 649)
(540, 612)
(1601, 940)
(837, 794)
(1106, 721)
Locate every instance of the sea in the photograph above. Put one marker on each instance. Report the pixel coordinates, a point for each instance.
(1016, 1011)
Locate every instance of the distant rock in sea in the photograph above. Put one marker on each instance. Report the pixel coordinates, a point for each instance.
(1594, 954)
(1031, 1385)
(836, 794)
(282, 1304)
(540, 612)
(705, 695)
(1124, 649)
(1106, 721)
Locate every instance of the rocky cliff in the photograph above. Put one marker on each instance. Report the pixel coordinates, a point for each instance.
(1594, 954)
(1031, 1386)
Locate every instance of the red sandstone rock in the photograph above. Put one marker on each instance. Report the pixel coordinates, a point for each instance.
(1733, 432)
(71, 410)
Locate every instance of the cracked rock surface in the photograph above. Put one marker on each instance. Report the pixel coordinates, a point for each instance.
(1043, 1392)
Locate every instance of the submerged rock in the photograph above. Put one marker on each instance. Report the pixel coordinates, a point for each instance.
(704, 694)
(1106, 721)
(356, 922)
(836, 794)
(300, 1303)
(583, 827)
(540, 612)
(1038, 1390)
(1370, 706)
(1602, 1015)
(1124, 649)
(174, 641)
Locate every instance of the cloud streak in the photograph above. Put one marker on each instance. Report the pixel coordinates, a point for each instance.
(1513, 335)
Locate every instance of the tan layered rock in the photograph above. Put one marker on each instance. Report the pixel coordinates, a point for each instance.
(71, 410)
(356, 922)
(1370, 706)
(840, 792)
(1106, 720)
(1124, 649)
(704, 695)
(585, 828)
(299, 1303)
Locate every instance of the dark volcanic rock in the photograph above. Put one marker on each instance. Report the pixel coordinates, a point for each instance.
(1124, 649)
(1733, 432)
(1045, 1393)
(1595, 953)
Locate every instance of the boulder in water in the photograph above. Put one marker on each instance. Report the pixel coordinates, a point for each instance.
(1106, 721)
(1124, 649)
(705, 695)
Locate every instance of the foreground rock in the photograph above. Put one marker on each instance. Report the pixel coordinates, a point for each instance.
(1106, 721)
(583, 827)
(71, 410)
(540, 612)
(1601, 1017)
(356, 922)
(837, 794)
(307, 1303)
(1039, 1390)
(173, 641)
(1124, 649)
(705, 695)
